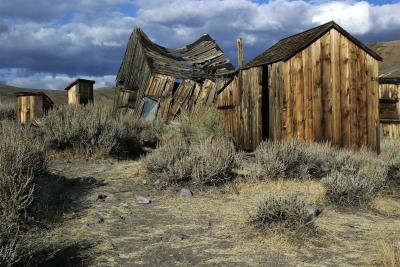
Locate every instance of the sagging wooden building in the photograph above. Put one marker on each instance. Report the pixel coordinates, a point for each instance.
(318, 85)
(32, 106)
(156, 82)
(389, 106)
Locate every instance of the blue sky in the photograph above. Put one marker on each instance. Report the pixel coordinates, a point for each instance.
(47, 43)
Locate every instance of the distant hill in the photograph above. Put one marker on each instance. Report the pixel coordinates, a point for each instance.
(390, 52)
(105, 95)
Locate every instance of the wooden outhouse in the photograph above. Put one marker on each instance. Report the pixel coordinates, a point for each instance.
(155, 82)
(318, 85)
(389, 106)
(32, 106)
(80, 91)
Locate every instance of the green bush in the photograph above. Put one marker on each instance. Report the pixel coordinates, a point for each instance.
(8, 111)
(286, 211)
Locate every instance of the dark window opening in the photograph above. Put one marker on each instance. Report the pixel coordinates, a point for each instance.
(265, 104)
(177, 82)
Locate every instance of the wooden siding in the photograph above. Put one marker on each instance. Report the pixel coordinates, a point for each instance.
(389, 110)
(80, 93)
(326, 92)
(30, 108)
(174, 98)
(330, 93)
(228, 104)
(391, 130)
(389, 106)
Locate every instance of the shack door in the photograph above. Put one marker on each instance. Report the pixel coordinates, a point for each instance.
(265, 104)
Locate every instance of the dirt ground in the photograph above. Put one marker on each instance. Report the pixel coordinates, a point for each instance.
(209, 229)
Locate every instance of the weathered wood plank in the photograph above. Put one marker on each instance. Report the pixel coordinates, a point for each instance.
(344, 91)
(317, 90)
(335, 87)
(326, 86)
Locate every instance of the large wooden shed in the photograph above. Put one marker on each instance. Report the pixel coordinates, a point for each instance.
(318, 85)
(155, 82)
(32, 106)
(389, 106)
(80, 91)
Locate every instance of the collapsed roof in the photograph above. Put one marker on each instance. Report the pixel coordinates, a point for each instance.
(203, 59)
(290, 46)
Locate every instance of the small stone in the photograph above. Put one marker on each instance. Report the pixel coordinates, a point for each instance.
(99, 218)
(348, 234)
(87, 226)
(186, 192)
(142, 200)
(313, 211)
(157, 182)
(101, 197)
(144, 182)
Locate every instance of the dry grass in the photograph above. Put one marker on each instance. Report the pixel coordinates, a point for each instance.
(214, 224)
(388, 253)
(8, 111)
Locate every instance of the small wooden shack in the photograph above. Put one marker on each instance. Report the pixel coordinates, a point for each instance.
(32, 106)
(389, 106)
(80, 91)
(318, 85)
(155, 82)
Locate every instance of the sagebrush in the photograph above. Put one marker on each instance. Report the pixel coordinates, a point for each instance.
(22, 160)
(282, 211)
(201, 123)
(96, 128)
(208, 161)
(8, 110)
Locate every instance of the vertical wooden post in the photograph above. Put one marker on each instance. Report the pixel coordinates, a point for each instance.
(239, 45)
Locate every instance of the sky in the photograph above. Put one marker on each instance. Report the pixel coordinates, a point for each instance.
(48, 43)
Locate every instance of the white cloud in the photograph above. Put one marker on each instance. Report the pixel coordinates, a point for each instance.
(92, 40)
(16, 77)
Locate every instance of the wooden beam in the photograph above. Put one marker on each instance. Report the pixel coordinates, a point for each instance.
(239, 45)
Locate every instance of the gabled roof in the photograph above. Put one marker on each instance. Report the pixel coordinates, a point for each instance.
(78, 81)
(201, 59)
(18, 94)
(290, 46)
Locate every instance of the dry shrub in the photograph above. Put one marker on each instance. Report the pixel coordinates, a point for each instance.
(214, 160)
(390, 153)
(200, 124)
(207, 162)
(282, 211)
(171, 162)
(356, 179)
(388, 254)
(21, 160)
(96, 128)
(10, 244)
(293, 159)
(8, 110)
